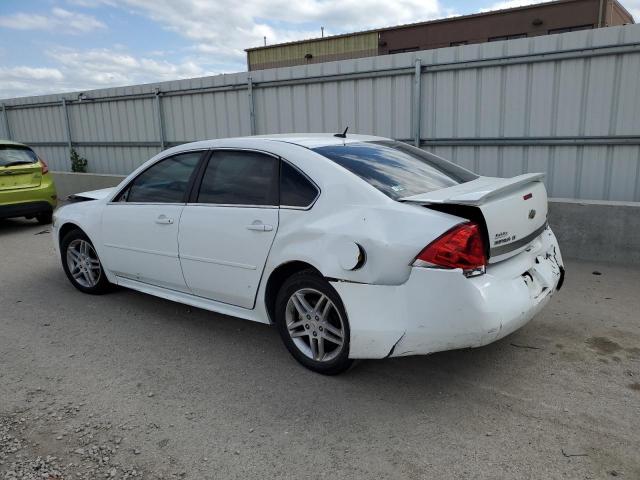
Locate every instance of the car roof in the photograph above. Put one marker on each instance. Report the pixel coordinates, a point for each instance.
(9, 143)
(314, 140)
(306, 140)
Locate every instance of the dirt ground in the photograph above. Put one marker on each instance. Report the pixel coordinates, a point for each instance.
(131, 386)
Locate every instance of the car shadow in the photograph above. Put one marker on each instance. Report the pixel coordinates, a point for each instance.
(215, 348)
(14, 225)
(262, 344)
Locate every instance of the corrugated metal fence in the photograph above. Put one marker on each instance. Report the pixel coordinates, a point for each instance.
(568, 105)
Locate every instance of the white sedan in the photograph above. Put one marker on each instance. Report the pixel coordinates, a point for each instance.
(353, 246)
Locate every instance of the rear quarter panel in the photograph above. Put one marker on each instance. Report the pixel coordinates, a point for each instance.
(349, 211)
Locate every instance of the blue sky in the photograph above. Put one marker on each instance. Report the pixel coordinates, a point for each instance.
(64, 45)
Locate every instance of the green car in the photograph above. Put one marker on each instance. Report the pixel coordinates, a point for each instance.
(26, 186)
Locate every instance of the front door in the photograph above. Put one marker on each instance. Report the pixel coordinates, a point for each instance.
(226, 234)
(140, 227)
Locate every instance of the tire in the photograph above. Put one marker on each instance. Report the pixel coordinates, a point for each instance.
(45, 218)
(313, 324)
(91, 277)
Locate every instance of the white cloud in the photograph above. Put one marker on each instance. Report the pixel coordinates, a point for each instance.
(512, 4)
(29, 73)
(634, 8)
(208, 19)
(218, 31)
(85, 70)
(59, 20)
(22, 79)
(223, 29)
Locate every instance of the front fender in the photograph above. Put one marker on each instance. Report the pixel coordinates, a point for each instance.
(87, 216)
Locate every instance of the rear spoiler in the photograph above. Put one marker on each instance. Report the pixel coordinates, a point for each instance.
(475, 192)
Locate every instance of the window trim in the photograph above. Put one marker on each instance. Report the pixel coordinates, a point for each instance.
(197, 184)
(203, 154)
(195, 181)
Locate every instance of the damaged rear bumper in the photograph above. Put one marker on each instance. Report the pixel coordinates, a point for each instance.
(438, 310)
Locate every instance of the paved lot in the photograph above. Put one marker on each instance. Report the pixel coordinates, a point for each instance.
(127, 385)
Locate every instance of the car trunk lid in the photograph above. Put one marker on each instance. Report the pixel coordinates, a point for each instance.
(514, 210)
(20, 176)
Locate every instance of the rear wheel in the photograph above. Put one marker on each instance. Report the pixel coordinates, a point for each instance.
(44, 218)
(82, 265)
(313, 324)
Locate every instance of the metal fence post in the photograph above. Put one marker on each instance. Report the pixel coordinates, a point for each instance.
(252, 111)
(67, 123)
(160, 117)
(6, 121)
(417, 107)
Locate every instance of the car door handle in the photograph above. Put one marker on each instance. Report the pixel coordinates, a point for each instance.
(164, 220)
(260, 227)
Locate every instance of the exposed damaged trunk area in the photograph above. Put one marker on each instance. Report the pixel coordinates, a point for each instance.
(465, 211)
(511, 212)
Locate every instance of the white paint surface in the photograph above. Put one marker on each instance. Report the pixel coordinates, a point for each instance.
(206, 257)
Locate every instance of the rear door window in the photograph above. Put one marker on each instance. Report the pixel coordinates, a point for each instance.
(240, 177)
(396, 169)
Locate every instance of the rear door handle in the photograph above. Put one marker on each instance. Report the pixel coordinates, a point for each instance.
(260, 227)
(164, 220)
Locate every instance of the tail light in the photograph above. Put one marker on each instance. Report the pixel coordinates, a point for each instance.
(461, 247)
(45, 167)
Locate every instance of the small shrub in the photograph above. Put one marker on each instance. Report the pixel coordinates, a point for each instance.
(78, 163)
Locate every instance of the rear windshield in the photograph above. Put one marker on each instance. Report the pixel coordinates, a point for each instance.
(12, 155)
(396, 169)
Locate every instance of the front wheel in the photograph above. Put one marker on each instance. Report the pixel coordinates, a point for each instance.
(313, 324)
(82, 265)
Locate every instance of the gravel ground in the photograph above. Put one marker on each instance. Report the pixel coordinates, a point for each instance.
(131, 386)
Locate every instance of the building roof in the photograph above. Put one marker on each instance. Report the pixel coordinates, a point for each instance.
(427, 22)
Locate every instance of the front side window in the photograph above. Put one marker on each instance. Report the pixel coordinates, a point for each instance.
(164, 182)
(396, 169)
(295, 189)
(240, 178)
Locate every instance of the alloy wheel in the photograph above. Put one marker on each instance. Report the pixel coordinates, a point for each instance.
(315, 325)
(83, 263)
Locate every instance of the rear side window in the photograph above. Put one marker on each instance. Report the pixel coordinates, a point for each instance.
(12, 155)
(164, 182)
(240, 178)
(295, 189)
(396, 169)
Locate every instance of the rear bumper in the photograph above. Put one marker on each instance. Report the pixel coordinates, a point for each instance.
(29, 201)
(25, 209)
(439, 310)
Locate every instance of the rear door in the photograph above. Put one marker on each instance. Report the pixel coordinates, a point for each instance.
(19, 168)
(140, 228)
(227, 231)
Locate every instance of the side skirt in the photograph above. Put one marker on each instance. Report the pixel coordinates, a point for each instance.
(192, 300)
